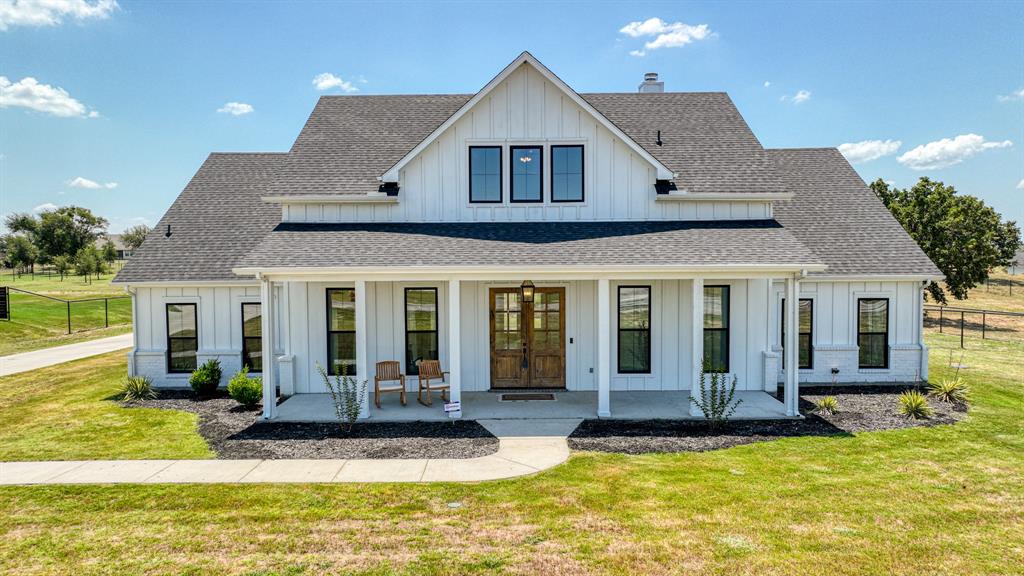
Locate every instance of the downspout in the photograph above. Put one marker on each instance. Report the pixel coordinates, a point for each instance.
(135, 329)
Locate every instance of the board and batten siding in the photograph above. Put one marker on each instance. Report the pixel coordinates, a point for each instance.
(527, 109)
(219, 328)
(834, 330)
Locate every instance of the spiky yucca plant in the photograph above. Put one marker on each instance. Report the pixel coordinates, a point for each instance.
(828, 405)
(136, 388)
(950, 390)
(914, 405)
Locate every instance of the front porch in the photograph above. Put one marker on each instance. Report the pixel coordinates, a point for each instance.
(632, 405)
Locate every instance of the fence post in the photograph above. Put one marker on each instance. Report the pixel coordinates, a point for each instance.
(961, 329)
(106, 313)
(982, 325)
(69, 316)
(940, 320)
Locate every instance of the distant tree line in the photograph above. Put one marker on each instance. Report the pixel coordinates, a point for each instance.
(64, 238)
(962, 235)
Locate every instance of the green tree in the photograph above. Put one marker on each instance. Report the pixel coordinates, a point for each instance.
(134, 236)
(67, 230)
(62, 264)
(21, 252)
(963, 236)
(87, 261)
(109, 252)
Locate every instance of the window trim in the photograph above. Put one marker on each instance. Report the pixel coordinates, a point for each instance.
(727, 307)
(619, 329)
(810, 335)
(245, 349)
(327, 302)
(583, 174)
(405, 319)
(168, 337)
(885, 358)
(501, 175)
(511, 173)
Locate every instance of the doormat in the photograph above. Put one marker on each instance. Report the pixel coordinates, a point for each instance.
(524, 397)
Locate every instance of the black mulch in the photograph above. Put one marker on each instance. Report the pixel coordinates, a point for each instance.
(861, 409)
(234, 432)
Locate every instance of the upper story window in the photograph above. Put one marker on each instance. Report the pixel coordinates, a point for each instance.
(527, 168)
(485, 174)
(567, 173)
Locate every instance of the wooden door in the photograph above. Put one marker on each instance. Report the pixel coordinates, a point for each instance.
(547, 338)
(527, 340)
(508, 339)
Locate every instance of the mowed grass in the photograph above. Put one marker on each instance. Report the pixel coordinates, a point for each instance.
(996, 295)
(941, 500)
(66, 412)
(38, 322)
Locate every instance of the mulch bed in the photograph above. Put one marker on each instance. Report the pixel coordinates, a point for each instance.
(236, 433)
(861, 409)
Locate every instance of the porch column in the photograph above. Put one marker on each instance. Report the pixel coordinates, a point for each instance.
(697, 338)
(267, 330)
(455, 342)
(791, 346)
(362, 368)
(604, 345)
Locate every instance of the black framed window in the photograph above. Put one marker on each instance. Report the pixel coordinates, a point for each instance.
(716, 328)
(873, 332)
(567, 173)
(527, 167)
(485, 173)
(182, 338)
(252, 336)
(805, 337)
(420, 327)
(341, 330)
(634, 329)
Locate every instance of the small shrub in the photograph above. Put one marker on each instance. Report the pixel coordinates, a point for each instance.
(828, 405)
(136, 388)
(914, 405)
(716, 400)
(950, 390)
(245, 390)
(206, 378)
(347, 395)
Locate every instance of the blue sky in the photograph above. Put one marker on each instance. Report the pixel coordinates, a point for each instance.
(124, 103)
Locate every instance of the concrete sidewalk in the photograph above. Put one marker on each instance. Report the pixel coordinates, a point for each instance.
(26, 361)
(525, 447)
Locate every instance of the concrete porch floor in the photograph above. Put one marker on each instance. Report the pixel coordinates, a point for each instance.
(668, 405)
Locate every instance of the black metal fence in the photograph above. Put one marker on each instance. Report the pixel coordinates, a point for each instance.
(975, 323)
(52, 313)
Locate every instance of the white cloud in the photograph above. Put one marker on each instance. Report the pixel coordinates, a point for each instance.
(666, 35)
(868, 150)
(326, 81)
(948, 151)
(1015, 95)
(767, 83)
(51, 12)
(80, 182)
(235, 108)
(44, 207)
(1020, 185)
(800, 97)
(54, 100)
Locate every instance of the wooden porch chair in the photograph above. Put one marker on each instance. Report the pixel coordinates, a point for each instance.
(430, 370)
(389, 371)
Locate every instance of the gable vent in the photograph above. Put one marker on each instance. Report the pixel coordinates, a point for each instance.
(651, 84)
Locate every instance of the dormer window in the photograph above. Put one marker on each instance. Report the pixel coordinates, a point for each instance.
(567, 173)
(527, 168)
(485, 174)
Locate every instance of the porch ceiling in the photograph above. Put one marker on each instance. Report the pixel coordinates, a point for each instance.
(727, 244)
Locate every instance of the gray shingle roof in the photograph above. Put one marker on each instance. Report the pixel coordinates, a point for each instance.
(835, 214)
(217, 219)
(348, 141)
(750, 242)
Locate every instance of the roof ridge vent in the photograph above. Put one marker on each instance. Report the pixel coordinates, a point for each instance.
(651, 84)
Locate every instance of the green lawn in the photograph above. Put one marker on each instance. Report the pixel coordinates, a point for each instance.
(38, 322)
(943, 500)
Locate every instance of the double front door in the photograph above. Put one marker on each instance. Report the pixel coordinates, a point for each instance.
(527, 338)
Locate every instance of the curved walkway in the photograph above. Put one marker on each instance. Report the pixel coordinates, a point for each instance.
(25, 361)
(525, 447)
